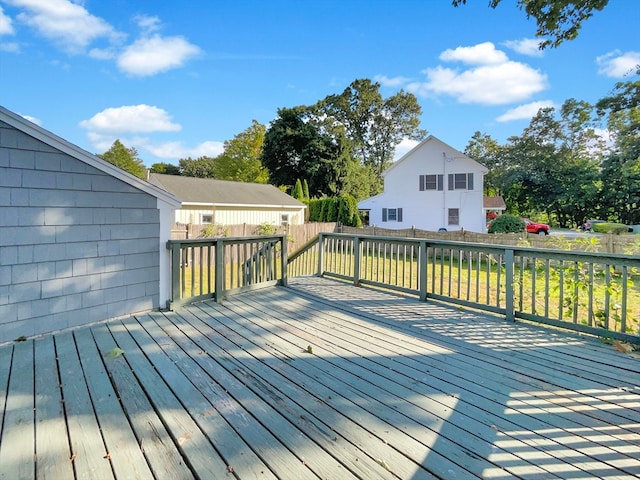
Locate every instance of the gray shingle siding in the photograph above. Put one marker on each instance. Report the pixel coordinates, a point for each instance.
(76, 244)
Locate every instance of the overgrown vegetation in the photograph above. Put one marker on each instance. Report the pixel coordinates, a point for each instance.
(507, 224)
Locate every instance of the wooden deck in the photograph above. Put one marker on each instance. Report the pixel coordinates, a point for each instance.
(320, 380)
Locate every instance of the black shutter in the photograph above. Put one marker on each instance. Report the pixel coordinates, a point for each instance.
(440, 182)
(384, 214)
(469, 181)
(451, 181)
(399, 214)
(422, 180)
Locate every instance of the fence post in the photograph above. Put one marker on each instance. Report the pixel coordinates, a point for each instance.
(509, 259)
(357, 259)
(219, 271)
(422, 274)
(320, 254)
(283, 260)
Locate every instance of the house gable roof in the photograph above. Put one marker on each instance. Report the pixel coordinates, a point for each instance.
(431, 139)
(20, 123)
(208, 191)
(494, 203)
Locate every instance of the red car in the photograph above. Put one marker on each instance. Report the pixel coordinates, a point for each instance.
(533, 227)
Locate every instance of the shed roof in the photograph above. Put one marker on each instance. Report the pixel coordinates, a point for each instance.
(494, 203)
(29, 128)
(209, 191)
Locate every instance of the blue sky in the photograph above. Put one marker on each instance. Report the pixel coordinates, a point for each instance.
(177, 79)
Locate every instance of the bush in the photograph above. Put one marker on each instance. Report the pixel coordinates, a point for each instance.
(507, 224)
(615, 228)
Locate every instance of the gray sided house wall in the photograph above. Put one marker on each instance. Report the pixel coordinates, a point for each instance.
(76, 245)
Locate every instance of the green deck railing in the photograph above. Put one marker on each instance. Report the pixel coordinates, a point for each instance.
(592, 293)
(215, 267)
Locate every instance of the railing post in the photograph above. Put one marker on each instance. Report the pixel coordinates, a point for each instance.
(320, 254)
(422, 274)
(283, 275)
(175, 273)
(219, 271)
(357, 258)
(509, 259)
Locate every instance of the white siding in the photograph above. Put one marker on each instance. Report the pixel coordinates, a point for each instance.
(238, 216)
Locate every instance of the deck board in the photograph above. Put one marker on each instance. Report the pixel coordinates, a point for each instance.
(321, 380)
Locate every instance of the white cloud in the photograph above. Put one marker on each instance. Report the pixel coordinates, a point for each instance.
(148, 56)
(481, 54)
(130, 119)
(526, 46)
(176, 150)
(486, 85)
(617, 64)
(404, 147)
(35, 120)
(525, 112)
(6, 26)
(391, 82)
(10, 47)
(64, 22)
(147, 23)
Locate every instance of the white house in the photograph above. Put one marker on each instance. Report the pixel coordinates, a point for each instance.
(433, 186)
(222, 202)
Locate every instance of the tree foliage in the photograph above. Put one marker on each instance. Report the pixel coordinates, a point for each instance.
(125, 158)
(202, 167)
(165, 168)
(560, 20)
(507, 224)
(240, 161)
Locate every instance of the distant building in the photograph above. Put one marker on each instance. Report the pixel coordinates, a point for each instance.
(222, 202)
(432, 187)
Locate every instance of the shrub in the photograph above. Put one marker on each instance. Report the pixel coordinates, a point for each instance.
(615, 228)
(507, 224)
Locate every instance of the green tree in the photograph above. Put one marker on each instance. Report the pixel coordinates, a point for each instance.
(305, 190)
(125, 158)
(621, 169)
(296, 191)
(202, 167)
(165, 168)
(374, 125)
(294, 147)
(240, 160)
(558, 19)
(491, 154)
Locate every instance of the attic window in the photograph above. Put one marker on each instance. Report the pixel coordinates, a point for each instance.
(206, 218)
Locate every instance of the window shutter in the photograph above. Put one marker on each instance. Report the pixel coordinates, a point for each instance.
(469, 181)
(440, 182)
(384, 214)
(399, 214)
(422, 180)
(451, 181)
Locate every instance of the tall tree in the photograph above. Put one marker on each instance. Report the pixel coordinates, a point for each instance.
(125, 158)
(294, 147)
(489, 153)
(621, 169)
(240, 160)
(558, 19)
(373, 124)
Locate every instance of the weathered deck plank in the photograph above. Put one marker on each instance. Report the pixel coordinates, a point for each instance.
(53, 457)
(320, 380)
(17, 450)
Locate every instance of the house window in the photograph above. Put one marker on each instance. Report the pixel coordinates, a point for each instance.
(206, 218)
(284, 219)
(431, 182)
(460, 181)
(391, 214)
(454, 216)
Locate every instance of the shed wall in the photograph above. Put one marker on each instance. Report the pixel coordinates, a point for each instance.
(76, 245)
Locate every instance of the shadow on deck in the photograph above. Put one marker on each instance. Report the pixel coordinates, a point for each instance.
(319, 380)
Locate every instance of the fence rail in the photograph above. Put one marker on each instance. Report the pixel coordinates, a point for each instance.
(215, 267)
(593, 293)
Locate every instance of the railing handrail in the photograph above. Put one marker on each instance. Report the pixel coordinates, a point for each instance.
(588, 282)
